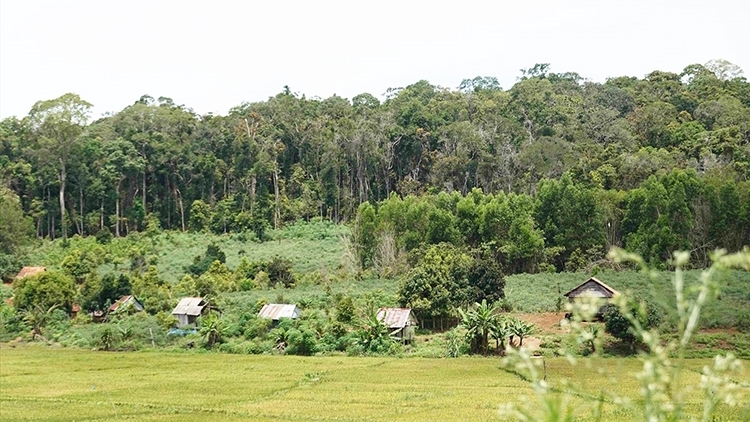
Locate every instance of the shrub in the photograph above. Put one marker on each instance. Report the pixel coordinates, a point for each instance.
(301, 341)
(104, 236)
(44, 290)
(280, 271)
(620, 327)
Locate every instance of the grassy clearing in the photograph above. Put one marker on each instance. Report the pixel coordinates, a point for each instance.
(311, 247)
(43, 384)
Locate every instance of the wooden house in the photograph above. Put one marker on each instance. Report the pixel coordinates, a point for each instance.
(276, 311)
(592, 288)
(188, 310)
(29, 271)
(126, 302)
(401, 322)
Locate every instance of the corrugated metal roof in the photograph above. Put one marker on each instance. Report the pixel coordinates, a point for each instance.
(395, 317)
(275, 311)
(611, 291)
(126, 299)
(192, 306)
(28, 271)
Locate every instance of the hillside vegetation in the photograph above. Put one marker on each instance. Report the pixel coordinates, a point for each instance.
(651, 164)
(309, 246)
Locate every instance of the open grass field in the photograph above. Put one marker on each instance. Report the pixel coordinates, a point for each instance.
(53, 384)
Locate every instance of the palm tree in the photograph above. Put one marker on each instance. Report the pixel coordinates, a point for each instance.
(521, 329)
(37, 317)
(479, 323)
(372, 332)
(500, 331)
(211, 329)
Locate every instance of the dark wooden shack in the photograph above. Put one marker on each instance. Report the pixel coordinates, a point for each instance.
(592, 288)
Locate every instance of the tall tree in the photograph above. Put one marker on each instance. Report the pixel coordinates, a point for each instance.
(57, 125)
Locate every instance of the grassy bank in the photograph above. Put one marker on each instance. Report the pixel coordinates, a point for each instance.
(44, 384)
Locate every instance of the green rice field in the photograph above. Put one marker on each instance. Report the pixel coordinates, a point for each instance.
(58, 384)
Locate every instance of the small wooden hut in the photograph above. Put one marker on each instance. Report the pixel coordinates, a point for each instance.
(401, 322)
(593, 287)
(188, 310)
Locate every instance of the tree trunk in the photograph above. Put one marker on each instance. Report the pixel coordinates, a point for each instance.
(182, 209)
(117, 208)
(277, 211)
(63, 176)
(143, 192)
(253, 183)
(80, 193)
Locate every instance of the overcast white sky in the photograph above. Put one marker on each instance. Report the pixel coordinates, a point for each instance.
(213, 55)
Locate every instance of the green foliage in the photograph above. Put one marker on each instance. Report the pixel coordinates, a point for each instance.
(617, 324)
(79, 264)
(98, 294)
(44, 290)
(372, 337)
(447, 277)
(569, 217)
(480, 321)
(212, 329)
(438, 283)
(202, 263)
(9, 266)
(279, 271)
(104, 236)
(37, 318)
(15, 227)
(200, 216)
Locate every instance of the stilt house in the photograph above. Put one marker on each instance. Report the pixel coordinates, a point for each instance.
(401, 322)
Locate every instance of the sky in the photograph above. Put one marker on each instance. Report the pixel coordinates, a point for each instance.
(212, 56)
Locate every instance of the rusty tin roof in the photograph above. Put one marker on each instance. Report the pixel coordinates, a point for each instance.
(396, 317)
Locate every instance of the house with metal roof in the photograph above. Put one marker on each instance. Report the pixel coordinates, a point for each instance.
(276, 311)
(125, 302)
(401, 322)
(591, 288)
(188, 310)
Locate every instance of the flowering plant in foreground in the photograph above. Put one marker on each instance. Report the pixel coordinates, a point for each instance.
(662, 392)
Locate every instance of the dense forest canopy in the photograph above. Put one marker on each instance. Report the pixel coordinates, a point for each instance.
(549, 173)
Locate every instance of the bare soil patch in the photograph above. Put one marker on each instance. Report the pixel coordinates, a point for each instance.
(547, 321)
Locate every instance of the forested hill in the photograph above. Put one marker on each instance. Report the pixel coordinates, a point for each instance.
(651, 164)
